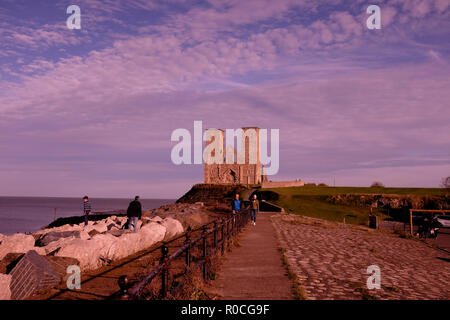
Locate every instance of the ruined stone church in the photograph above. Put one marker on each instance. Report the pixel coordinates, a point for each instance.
(246, 171)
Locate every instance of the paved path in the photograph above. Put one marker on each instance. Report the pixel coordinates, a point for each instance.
(331, 260)
(254, 270)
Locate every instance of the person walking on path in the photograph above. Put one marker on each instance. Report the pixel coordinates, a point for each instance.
(134, 212)
(236, 204)
(87, 209)
(254, 210)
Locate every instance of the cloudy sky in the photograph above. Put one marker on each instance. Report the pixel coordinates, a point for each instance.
(91, 111)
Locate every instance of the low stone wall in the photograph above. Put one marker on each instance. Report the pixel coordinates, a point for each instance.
(269, 207)
(282, 184)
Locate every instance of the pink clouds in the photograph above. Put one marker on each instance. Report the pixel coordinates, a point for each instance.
(342, 96)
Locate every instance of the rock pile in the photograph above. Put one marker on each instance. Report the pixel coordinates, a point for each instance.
(98, 243)
(190, 215)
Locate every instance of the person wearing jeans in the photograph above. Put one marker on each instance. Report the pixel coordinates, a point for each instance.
(134, 212)
(236, 204)
(87, 208)
(254, 210)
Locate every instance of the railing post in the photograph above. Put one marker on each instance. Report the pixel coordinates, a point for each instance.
(223, 236)
(164, 273)
(204, 253)
(123, 284)
(233, 220)
(188, 249)
(215, 234)
(228, 233)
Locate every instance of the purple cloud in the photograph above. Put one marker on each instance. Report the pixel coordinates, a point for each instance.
(349, 102)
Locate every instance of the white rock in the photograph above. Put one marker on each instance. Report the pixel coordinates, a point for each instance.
(93, 252)
(100, 227)
(156, 219)
(124, 246)
(40, 250)
(150, 234)
(18, 242)
(84, 235)
(104, 242)
(52, 246)
(122, 219)
(5, 291)
(88, 252)
(173, 228)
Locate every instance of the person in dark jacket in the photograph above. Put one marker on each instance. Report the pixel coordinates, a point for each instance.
(134, 213)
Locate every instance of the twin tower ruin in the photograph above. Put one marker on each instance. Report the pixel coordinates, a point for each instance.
(229, 165)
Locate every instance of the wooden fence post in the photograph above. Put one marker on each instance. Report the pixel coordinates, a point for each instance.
(215, 234)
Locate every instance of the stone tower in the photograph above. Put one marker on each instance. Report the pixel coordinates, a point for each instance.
(233, 166)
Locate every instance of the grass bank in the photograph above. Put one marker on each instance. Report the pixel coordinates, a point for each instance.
(311, 201)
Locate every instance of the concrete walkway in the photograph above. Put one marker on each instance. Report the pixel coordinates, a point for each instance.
(254, 270)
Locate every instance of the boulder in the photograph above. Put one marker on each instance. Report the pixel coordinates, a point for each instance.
(173, 228)
(5, 291)
(91, 254)
(99, 227)
(60, 264)
(9, 262)
(93, 233)
(45, 239)
(156, 219)
(32, 274)
(151, 233)
(18, 242)
(58, 244)
(124, 246)
(84, 235)
(118, 233)
(112, 226)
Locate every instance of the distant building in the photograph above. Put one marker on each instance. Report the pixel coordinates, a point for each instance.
(246, 171)
(231, 166)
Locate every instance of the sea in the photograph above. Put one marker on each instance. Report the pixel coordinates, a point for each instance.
(29, 214)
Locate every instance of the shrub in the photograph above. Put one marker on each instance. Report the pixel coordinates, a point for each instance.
(445, 183)
(377, 184)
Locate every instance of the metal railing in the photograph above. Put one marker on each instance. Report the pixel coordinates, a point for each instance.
(226, 228)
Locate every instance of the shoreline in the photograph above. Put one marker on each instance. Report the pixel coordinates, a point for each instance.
(29, 214)
(71, 220)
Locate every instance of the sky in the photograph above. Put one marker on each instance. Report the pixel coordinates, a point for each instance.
(91, 110)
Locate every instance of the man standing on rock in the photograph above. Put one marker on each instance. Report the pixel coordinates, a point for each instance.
(134, 212)
(87, 208)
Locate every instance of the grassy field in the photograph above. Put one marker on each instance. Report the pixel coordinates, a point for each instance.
(311, 201)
